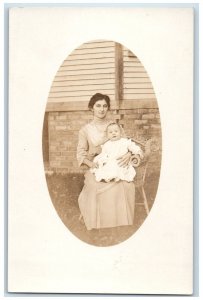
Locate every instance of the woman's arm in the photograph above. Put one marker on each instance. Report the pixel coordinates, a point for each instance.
(83, 150)
(83, 147)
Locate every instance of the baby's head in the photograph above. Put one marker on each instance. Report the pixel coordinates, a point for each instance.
(113, 132)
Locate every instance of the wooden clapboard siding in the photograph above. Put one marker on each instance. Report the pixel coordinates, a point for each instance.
(95, 52)
(138, 91)
(84, 77)
(137, 85)
(96, 56)
(81, 71)
(75, 88)
(136, 82)
(76, 83)
(128, 55)
(88, 66)
(78, 93)
(86, 71)
(136, 75)
(138, 96)
(129, 63)
(83, 62)
(96, 67)
(133, 69)
(76, 98)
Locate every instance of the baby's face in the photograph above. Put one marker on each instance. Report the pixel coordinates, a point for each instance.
(113, 132)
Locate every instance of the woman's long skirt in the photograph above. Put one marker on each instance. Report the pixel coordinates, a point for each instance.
(104, 205)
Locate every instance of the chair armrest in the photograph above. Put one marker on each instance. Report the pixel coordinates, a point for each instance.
(135, 160)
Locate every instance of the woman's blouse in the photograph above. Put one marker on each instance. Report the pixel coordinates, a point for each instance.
(91, 137)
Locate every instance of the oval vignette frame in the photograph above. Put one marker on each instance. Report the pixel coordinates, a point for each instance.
(110, 68)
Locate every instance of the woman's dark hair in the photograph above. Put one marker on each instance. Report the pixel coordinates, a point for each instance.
(97, 97)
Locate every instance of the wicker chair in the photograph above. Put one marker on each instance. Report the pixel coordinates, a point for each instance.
(150, 147)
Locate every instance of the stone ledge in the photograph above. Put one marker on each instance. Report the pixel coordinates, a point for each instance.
(83, 105)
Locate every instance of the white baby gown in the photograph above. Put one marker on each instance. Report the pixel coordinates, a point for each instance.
(108, 164)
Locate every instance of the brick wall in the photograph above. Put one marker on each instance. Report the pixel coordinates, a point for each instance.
(63, 126)
(141, 123)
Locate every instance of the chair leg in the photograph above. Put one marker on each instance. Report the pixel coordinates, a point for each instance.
(81, 220)
(145, 201)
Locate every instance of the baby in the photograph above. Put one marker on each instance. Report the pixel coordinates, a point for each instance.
(107, 164)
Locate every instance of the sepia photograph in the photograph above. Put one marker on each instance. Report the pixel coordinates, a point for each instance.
(102, 143)
(100, 172)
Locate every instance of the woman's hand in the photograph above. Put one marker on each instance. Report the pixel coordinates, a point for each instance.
(90, 164)
(124, 160)
(95, 165)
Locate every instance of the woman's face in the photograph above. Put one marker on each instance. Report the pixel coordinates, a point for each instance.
(100, 109)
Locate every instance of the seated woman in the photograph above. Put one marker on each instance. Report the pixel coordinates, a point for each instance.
(102, 204)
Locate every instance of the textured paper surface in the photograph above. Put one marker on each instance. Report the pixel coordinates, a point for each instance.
(43, 256)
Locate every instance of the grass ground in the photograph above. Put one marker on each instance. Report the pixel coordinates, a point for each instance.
(64, 190)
